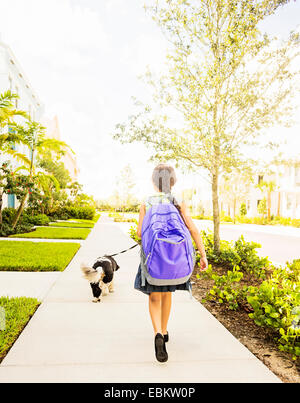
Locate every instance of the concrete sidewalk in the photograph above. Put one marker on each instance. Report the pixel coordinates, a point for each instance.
(70, 339)
(27, 284)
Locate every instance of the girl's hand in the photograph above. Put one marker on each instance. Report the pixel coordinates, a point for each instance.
(203, 264)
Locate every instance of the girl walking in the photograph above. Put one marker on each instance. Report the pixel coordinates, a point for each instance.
(160, 296)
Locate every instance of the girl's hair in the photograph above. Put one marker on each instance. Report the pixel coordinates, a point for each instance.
(164, 178)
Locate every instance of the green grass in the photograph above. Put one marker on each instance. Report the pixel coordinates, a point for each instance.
(97, 216)
(36, 256)
(55, 233)
(72, 224)
(18, 312)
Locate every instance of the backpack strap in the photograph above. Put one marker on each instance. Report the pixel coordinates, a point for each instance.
(173, 200)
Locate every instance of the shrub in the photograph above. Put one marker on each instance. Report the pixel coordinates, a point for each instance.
(295, 223)
(8, 215)
(202, 217)
(124, 219)
(226, 288)
(243, 209)
(244, 220)
(276, 304)
(21, 228)
(249, 260)
(226, 218)
(39, 219)
(133, 234)
(65, 213)
(239, 253)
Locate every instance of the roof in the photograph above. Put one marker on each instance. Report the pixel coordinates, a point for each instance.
(21, 75)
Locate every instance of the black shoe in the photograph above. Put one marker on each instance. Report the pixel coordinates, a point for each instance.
(166, 337)
(160, 348)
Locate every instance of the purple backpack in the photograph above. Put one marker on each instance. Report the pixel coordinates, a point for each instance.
(167, 252)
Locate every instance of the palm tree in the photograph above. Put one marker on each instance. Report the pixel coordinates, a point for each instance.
(269, 187)
(7, 137)
(7, 114)
(33, 135)
(48, 184)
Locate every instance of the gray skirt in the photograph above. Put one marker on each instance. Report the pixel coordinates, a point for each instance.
(149, 288)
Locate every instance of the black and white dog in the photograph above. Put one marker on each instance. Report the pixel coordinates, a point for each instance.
(101, 276)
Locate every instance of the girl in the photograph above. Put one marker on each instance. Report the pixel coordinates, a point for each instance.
(160, 297)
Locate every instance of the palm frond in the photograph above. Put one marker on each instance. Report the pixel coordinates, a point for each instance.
(19, 157)
(21, 168)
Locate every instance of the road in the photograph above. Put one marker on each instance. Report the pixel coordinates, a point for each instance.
(280, 244)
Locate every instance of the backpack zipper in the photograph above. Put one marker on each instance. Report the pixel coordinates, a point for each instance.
(165, 240)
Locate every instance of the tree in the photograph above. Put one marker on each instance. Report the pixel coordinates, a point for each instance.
(235, 187)
(243, 209)
(8, 112)
(55, 168)
(262, 207)
(226, 82)
(11, 182)
(267, 187)
(125, 184)
(33, 136)
(8, 137)
(75, 188)
(48, 186)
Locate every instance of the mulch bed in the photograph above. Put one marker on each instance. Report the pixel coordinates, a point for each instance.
(260, 341)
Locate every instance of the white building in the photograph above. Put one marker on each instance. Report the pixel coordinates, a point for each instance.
(12, 77)
(69, 159)
(285, 199)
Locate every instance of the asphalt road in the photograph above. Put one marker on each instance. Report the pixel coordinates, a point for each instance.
(279, 248)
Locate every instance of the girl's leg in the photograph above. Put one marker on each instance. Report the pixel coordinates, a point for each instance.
(166, 303)
(155, 311)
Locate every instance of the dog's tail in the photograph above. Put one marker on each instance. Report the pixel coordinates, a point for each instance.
(89, 273)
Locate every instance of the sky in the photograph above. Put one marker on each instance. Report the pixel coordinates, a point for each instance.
(83, 58)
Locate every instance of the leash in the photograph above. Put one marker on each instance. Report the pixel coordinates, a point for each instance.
(123, 251)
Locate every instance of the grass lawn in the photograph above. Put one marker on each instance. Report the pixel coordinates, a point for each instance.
(18, 312)
(97, 216)
(36, 256)
(55, 233)
(72, 224)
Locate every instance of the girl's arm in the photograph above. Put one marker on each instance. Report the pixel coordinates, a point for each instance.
(141, 218)
(195, 235)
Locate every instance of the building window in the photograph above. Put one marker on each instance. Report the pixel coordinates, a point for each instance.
(11, 201)
(10, 83)
(17, 101)
(289, 202)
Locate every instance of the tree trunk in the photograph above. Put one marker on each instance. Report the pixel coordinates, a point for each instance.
(1, 203)
(269, 206)
(234, 208)
(22, 205)
(216, 213)
(20, 211)
(278, 206)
